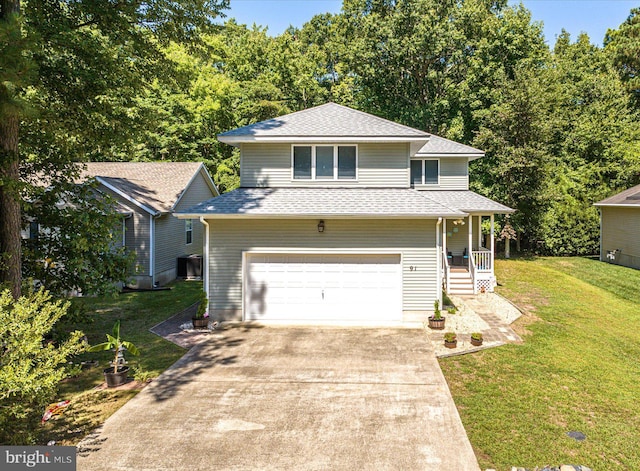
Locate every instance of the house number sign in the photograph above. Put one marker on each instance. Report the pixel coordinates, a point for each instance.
(412, 268)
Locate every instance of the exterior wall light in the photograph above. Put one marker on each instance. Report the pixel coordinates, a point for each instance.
(321, 226)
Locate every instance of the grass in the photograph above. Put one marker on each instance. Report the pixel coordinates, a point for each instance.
(576, 371)
(137, 312)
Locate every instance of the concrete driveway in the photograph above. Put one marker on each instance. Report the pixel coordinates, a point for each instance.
(291, 398)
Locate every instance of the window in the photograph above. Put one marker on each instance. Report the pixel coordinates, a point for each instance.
(188, 229)
(302, 162)
(34, 230)
(322, 162)
(425, 172)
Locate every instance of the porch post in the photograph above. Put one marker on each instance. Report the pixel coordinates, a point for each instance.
(444, 236)
(479, 231)
(470, 241)
(492, 244)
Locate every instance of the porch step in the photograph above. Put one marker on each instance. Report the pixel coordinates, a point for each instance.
(460, 283)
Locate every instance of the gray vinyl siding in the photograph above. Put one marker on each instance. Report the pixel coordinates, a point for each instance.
(621, 230)
(379, 165)
(137, 231)
(454, 175)
(170, 240)
(413, 239)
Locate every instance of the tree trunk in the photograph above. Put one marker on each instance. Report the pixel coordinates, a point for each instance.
(507, 248)
(10, 240)
(10, 220)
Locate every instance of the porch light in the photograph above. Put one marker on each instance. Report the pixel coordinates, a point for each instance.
(321, 226)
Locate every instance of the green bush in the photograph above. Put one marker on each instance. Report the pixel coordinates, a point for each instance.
(30, 366)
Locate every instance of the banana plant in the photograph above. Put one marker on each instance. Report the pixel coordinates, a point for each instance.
(116, 343)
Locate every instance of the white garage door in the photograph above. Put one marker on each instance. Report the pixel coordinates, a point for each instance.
(323, 288)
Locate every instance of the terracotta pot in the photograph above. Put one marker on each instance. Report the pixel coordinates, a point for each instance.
(115, 379)
(200, 323)
(452, 344)
(436, 324)
(476, 343)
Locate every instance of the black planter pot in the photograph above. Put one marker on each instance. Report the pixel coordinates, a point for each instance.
(437, 324)
(116, 379)
(200, 323)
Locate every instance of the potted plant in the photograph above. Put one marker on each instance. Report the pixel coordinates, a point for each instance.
(476, 339)
(436, 321)
(201, 318)
(450, 340)
(116, 374)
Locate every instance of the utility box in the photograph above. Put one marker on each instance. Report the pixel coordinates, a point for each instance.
(190, 267)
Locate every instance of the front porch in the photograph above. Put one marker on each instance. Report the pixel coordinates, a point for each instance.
(466, 262)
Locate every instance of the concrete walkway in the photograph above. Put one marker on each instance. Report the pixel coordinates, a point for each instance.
(290, 398)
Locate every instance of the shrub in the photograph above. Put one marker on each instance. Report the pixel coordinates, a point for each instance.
(450, 336)
(30, 367)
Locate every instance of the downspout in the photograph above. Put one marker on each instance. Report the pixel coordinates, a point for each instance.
(205, 261)
(439, 262)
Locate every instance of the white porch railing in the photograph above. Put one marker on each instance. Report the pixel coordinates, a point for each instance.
(472, 271)
(445, 266)
(482, 261)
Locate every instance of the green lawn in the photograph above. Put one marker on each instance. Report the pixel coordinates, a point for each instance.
(137, 312)
(578, 370)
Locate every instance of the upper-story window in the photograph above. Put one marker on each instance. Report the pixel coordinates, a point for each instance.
(325, 162)
(425, 172)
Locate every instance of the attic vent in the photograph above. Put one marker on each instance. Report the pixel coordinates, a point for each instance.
(190, 267)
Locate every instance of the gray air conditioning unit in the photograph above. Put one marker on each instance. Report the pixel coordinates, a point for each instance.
(190, 267)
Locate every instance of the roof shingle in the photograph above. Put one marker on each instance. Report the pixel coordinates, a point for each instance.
(630, 197)
(328, 120)
(156, 185)
(323, 202)
(467, 201)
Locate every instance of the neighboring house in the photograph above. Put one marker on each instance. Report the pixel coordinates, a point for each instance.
(147, 194)
(620, 228)
(343, 217)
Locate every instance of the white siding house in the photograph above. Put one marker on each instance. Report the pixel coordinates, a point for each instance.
(343, 217)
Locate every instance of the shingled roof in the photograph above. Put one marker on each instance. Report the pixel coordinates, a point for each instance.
(440, 146)
(322, 202)
(468, 201)
(630, 198)
(156, 186)
(328, 122)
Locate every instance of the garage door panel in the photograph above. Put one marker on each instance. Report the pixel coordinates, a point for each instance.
(354, 288)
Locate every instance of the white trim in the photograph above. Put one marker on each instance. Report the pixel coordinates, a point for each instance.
(605, 205)
(314, 177)
(469, 156)
(320, 216)
(205, 261)
(212, 186)
(315, 251)
(310, 139)
(439, 262)
(127, 197)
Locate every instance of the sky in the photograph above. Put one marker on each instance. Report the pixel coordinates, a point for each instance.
(591, 16)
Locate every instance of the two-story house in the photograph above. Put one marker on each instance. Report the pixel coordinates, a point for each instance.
(343, 217)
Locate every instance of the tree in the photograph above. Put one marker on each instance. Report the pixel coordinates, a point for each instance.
(78, 243)
(87, 59)
(623, 45)
(30, 368)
